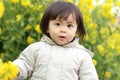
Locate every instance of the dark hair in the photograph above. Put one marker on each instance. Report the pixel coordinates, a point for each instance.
(62, 10)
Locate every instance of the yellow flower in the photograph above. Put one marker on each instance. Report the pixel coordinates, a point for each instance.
(30, 39)
(104, 31)
(39, 7)
(117, 3)
(14, 1)
(111, 44)
(118, 49)
(94, 62)
(101, 49)
(18, 17)
(31, 6)
(92, 25)
(107, 6)
(8, 71)
(116, 36)
(28, 27)
(105, 10)
(93, 38)
(37, 29)
(25, 3)
(2, 9)
(87, 37)
(71, 1)
(107, 74)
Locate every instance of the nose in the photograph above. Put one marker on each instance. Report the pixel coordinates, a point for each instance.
(63, 30)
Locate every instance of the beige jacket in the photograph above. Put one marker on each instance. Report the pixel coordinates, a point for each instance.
(47, 61)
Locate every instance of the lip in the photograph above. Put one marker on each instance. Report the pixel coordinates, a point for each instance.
(62, 37)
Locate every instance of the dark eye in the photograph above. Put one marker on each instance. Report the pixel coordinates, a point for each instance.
(69, 25)
(57, 24)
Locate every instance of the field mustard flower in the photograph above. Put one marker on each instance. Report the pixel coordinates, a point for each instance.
(2, 9)
(101, 49)
(111, 44)
(31, 6)
(107, 74)
(107, 6)
(104, 31)
(8, 71)
(18, 18)
(86, 10)
(93, 36)
(117, 3)
(118, 49)
(36, 7)
(37, 29)
(28, 27)
(71, 1)
(14, 1)
(39, 7)
(92, 25)
(30, 39)
(94, 62)
(106, 10)
(25, 3)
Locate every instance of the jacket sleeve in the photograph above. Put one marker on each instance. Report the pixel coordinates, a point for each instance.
(25, 63)
(87, 70)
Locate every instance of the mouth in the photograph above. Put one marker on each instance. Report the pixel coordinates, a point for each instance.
(62, 37)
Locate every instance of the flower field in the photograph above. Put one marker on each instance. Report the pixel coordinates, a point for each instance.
(19, 27)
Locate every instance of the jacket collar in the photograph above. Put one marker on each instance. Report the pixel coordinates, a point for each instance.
(74, 43)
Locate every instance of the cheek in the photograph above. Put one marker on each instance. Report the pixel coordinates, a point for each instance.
(75, 32)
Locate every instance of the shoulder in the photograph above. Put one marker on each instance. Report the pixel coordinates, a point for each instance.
(38, 46)
(33, 46)
(84, 51)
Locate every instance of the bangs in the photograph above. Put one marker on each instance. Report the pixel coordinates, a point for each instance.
(61, 12)
(65, 16)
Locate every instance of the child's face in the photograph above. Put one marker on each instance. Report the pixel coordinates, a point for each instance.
(63, 31)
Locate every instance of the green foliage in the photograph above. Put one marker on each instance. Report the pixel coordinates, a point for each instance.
(13, 37)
